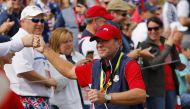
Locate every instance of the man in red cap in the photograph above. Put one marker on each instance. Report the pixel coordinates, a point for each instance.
(115, 79)
(95, 17)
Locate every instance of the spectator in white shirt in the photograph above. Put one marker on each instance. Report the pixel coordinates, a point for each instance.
(183, 11)
(169, 14)
(29, 65)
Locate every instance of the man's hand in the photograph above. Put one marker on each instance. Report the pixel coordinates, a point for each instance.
(96, 96)
(145, 53)
(36, 41)
(31, 40)
(41, 47)
(170, 40)
(83, 61)
(134, 53)
(6, 26)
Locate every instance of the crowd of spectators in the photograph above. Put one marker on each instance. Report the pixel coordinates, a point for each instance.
(141, 49)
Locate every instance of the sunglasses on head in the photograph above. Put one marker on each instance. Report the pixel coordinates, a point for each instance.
(37, 20)
(153, 28)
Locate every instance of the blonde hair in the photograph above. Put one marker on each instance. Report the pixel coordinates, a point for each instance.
(59, 35)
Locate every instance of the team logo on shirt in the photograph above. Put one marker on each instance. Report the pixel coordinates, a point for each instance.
(116, 78)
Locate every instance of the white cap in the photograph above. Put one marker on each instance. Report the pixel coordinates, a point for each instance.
(178, 26)
(30, 11)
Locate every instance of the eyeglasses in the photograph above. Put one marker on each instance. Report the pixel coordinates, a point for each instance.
(37, 20)
(106, 3)
(153, 28)
(159, 8)
(124, 14)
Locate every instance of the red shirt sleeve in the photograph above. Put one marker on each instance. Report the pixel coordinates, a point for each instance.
(134, 76)
(84, 74)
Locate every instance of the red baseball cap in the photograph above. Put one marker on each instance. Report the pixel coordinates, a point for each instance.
(98, 11)
(107, 32)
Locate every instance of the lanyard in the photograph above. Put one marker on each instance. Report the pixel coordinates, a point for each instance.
(103, 88)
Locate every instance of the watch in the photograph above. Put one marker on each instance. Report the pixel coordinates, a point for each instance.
(107, 98)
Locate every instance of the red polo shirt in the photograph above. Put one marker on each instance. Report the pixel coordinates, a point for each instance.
(132, 73)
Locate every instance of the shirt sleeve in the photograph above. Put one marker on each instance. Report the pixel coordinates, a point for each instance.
(16, 45)
(84, 74)
(133, 75)
(4, 48)
(13, 46)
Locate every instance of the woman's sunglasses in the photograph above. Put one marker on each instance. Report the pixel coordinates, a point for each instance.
(153, 28)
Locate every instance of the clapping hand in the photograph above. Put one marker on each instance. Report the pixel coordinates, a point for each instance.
(6, 26)
(134, 53)
(170, 40)
(145, 53)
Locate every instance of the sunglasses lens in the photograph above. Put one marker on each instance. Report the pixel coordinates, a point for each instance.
(42, 20)
(106, 3)
(124, 14)
(36, 20)
(153, 28)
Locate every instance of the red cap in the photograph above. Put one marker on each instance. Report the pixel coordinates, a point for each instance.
(107, 32)
(98, 11)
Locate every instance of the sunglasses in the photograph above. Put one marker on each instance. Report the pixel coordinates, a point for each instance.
(37, 20)
(123, 14)
(159, 8)
(153, 28)
(106, 3)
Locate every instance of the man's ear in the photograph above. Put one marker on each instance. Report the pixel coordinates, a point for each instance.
(21, 22)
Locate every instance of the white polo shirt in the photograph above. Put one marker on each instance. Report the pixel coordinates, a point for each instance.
(183, 8)
(26, 60)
